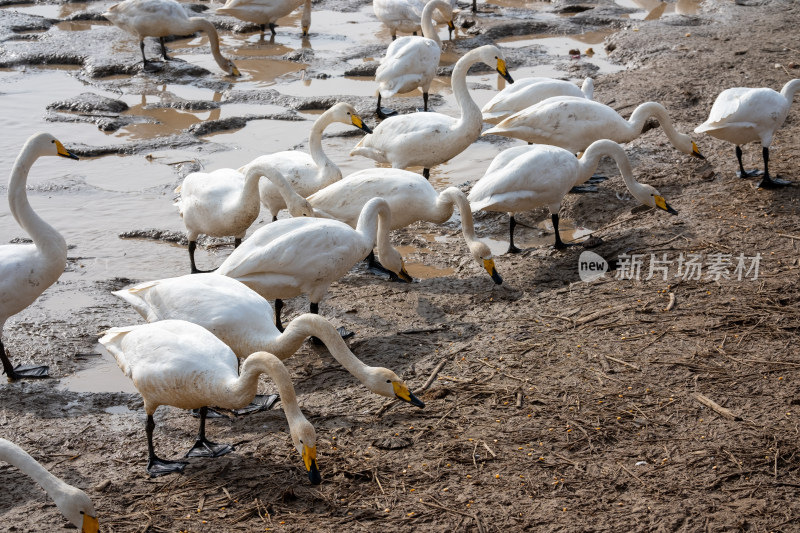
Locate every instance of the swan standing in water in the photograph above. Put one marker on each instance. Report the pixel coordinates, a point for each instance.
(298, 256)
(575, 123)
(741, 115)
(306, 173)
(224, 202)
(26, 270)
(405, 15)
(177, 363)
(411, 62)
(410, 197)
(244, 321)
(159, 18)
(73, 503)
(530, 91)
(428, 139)
(526, 177)
(267, 12)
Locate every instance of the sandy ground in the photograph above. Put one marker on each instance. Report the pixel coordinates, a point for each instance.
(555, 405)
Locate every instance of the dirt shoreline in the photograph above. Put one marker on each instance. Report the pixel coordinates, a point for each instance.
(560, 405)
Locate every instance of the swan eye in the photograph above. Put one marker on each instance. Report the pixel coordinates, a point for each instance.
(388, 381)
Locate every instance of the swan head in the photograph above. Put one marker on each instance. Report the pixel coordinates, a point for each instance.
(491, 55)
(483, 255)
(230, 68)
(685, 144)
(386, 383)
(305, 441)
(46, 144)
(305, 18)
(346, 114)
(648, 195)
(78, 508)
(300, 207)
(392, 260)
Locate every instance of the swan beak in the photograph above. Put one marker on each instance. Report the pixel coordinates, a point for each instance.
(662, 204)
(63, 152)
(305, 31)
(358, 123)
(235, 71)
(90, 524)
(310, 460)
(450, 27)
(488, 264)
(696, 152)
(404, 275)
(501, 68)
(402, 392)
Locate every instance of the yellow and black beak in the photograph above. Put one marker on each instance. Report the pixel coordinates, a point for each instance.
(404, 275)
(358, 123)
(662, 204)
(503, 71)
(235, 71)
(450, 28)
(305, 31)
(696, 152)
(402, 392)
(310, 460)
(90, 524)
(488, 264)
(63, 152)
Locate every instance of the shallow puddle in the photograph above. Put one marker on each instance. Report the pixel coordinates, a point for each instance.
(103, 376)
(655, 9)
(525, 237)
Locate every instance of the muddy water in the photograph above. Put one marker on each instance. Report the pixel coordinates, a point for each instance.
(93, 200)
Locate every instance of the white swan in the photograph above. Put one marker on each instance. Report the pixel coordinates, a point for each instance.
(411, 61)
(73, 503)
(26, 270)
(399, 15)
(575, 123)
(525, 177)
(427, 139)
(297, 256)
(224, 202)
(177, 363)
(244, 321)
(741, 115)
(159, 18)
(410, 197)
(529, 91)
(267, 12)
(307, 173)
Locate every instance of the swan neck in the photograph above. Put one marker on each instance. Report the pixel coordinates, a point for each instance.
(310, 324)
(40, 231)
(470, 112)
(266, 363)
(657, 111)
(596, 151)
(201, 24)
(255, 172)
(372, 225)
(16, 456)
(454, 196)
(428, 29)
(790, 89)
(315, 141)
(243, 389)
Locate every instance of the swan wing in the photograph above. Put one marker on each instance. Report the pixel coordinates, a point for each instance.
(409, 62)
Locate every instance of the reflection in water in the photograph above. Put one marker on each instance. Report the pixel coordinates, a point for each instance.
(50, 11)
(421, 270)
(528, 237)
(655, 9)
(103, 376)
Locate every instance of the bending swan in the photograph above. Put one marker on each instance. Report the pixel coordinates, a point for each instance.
(177, 363)
(26, 270)
(267, 12)
(529, 91)
(525, 177)
(428, 139)
(159, 18)
(73, 503)
(244, 321)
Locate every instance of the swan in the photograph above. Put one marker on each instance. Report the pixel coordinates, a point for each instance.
(410, 197)
(522, 178)
(297, 256)
(73, 503)
(529, 91)
(404, 15)
(411, 62)
(427, 139)
(267, 12)
(224, 202)
(177, 363)
(741, 115)
(244, 321)
(159, 18)
(306, 173)
(575, 123)
(26, 270)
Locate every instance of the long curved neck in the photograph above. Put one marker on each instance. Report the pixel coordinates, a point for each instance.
(656, 110)
(428, 29)
(322, 161)
(40, 231)
(790, 89)
(309, 324)
(264, 362)
(201, 24)
(305, 18)
(250, 191)
(470, 112)
(373, 225)
(243, 389)
(592, 155)
(16, 456)
(453, 195)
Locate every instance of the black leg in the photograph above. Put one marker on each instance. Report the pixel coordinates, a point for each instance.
(156, 466)
(141, 47)
(272, 28)
(263, 28)
(474, 6)
(767, 182)
(236, 242)
(21, 372)
(394, 37)
(512, 223)
(427, 173)
(163, 49)
(742, 173)
(559, 245)
(195, 270)
(278, 307)
(204, 447)
(424, 102)
(314, 308)
(384, 113)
